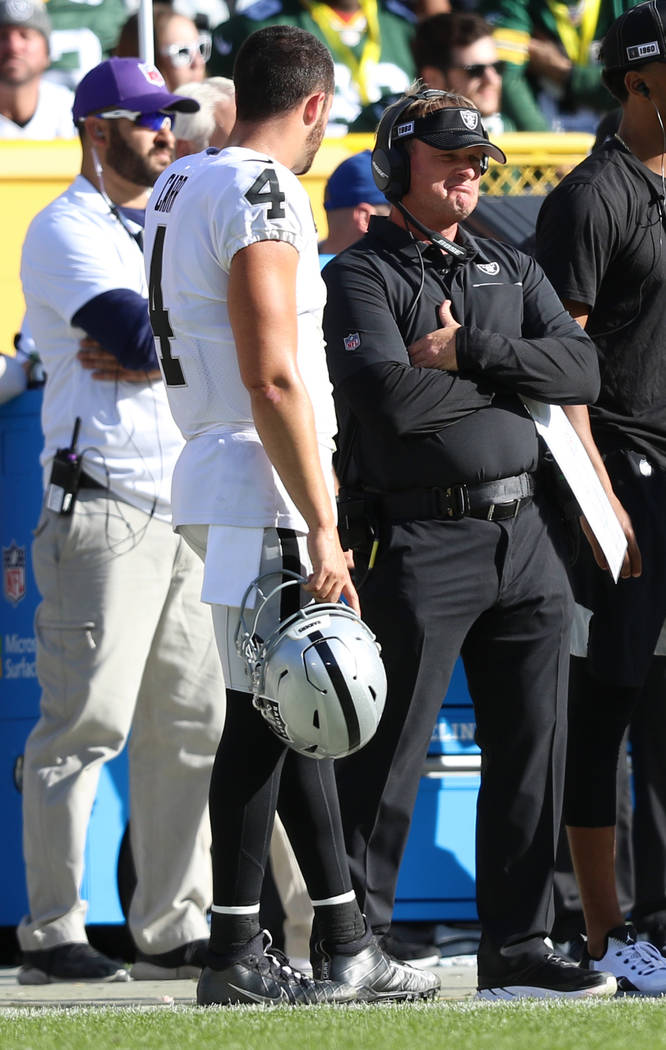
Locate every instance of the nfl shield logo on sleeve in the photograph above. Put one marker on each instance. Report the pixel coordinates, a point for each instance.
(352, 341)
(13, 573)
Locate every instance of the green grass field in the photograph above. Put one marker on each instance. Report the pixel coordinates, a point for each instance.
(628, 1024)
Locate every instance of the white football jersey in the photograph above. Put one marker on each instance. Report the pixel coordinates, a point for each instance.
(75, 249)
(203, 210)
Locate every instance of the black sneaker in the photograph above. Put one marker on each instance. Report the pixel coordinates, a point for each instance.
(177, 965)
(69, 962)
(542, 975)
(419, 955)
(263, 975)
(374, 973)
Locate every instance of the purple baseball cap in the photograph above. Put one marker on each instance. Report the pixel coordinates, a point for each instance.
(126, 83)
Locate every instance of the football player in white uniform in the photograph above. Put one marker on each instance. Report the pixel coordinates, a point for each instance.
(236, 302)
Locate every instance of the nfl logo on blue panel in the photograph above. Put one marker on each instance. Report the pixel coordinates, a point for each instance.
(352, 341)
(13, 573)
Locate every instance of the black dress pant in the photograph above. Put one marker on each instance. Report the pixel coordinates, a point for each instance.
(498, 593)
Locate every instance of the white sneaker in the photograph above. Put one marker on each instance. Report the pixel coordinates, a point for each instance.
(639, 967)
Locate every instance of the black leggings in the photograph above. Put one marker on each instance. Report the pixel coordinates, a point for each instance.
(599, 714)
(253, 773)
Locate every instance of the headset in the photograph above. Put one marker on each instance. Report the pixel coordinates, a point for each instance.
(390, 164)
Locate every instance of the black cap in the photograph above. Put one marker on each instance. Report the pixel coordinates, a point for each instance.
(637, 36)
(450, 128)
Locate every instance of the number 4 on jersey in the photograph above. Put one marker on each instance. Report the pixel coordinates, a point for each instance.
(159, 317)
(271, 195)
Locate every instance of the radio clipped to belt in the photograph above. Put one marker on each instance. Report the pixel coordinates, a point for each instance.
(356, 520)
(358, 527)
(65, 476)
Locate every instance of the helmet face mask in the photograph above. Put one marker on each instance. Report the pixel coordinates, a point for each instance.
(317, 679)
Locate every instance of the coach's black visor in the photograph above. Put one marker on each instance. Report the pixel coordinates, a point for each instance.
(450, 128)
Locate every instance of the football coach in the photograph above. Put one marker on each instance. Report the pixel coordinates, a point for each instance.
(432, 338)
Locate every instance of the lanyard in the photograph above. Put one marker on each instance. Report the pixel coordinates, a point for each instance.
(331, 26)
(576, 35)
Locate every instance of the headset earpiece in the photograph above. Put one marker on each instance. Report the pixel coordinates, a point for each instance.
(643, 89)
(390, 164)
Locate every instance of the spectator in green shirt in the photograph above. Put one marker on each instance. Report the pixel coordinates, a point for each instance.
(552, 78)
(369, 41)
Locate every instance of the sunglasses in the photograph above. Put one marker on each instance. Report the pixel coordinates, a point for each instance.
(153, 121)
(477, 70)
(182, 55)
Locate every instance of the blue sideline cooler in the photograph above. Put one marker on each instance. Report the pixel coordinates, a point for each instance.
(20, 502)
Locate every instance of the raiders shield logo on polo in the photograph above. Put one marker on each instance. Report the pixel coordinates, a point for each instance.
(469, 118)
(491, 269)
(13, 573)
(352, 341)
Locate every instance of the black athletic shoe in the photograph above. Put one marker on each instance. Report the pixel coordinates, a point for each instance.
(543, 976)
(374, 973)
(179, 964)
(262, 975)
(69, 962)
(419, 955)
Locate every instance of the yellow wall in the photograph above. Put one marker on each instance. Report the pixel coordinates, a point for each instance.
(33, 173)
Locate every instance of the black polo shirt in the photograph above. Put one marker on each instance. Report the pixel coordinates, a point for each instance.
(601, 240)
(404, 427)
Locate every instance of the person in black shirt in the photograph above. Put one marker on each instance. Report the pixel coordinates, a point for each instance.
(600, 239)
(432, 338)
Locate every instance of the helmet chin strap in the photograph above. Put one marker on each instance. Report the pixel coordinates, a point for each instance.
(442, 242)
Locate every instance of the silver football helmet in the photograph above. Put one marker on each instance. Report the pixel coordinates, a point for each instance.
(318, 679)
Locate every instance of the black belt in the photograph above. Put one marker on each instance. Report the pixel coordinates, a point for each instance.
(86, 482)
(492, 500)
